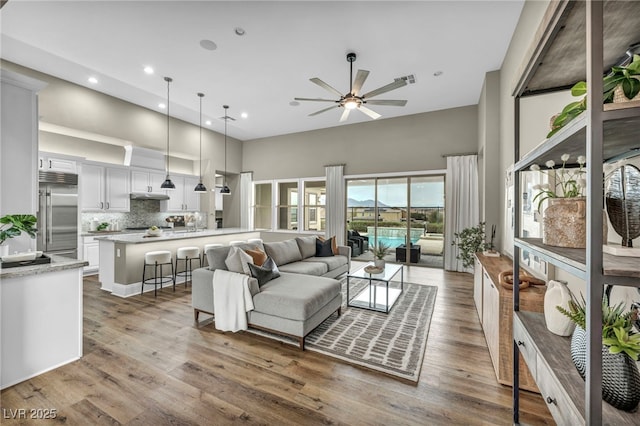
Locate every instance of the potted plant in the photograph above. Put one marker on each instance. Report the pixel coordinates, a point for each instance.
(620, 351)
(622, 84)
(380, 250)
(469, 242)
(12, 225)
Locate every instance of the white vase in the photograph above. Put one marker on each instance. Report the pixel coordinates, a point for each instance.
(557, 294)
(4, 250)
(379, 263)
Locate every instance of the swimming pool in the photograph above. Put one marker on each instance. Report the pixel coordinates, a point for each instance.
(392, 242)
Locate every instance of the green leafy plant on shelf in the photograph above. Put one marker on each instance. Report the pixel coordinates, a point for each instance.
(12, 225)
(617, 332)
(624, 77)
(469, 242)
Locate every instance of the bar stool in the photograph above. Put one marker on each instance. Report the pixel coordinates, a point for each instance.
(187, 255)
(237, 243)
(257, 241)
(157, 259)
(208, 247)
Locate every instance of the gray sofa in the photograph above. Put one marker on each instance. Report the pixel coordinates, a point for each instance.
(301, 298)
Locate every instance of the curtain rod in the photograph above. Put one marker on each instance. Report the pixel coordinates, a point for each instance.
(334, 165)
(459, 155)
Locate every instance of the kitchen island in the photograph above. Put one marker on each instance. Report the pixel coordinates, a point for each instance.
(122, 256)
(40, 318)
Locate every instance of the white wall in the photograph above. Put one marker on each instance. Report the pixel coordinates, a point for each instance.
(410, 143)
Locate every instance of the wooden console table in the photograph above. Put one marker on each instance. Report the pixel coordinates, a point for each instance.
(494, 304)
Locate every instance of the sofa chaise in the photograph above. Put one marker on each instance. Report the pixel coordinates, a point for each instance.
(293, 304)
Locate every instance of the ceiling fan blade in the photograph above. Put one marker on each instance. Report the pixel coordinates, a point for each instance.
(315, 99)
(344, 115)
(361, 76)
(323, 110)
(384, 89)
(369, 112)
(390, 102)
(324, 85)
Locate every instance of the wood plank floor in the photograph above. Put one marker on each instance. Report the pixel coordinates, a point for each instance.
(145, 363)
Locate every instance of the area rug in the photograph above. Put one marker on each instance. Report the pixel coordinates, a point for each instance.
(392, 343)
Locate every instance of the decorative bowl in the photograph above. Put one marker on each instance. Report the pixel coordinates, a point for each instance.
(154, 232)
(19, 257)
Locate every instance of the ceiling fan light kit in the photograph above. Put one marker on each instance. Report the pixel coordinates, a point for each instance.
(353, 99)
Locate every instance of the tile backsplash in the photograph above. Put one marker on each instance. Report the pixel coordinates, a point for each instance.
(141, 213)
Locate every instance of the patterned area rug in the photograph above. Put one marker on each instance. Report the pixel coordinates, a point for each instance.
(392, 343)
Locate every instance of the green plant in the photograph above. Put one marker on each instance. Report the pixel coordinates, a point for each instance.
(617, 325)
(102, 226)
(380, 250)
(470, 241)
(12, 225)
(568, 182)
(618, 76)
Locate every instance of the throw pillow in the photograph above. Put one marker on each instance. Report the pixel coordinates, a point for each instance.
(263, 275)
(238, 261)
(270, 263)
(334, 245)
(323, 248)
(258, 256)
(307, 246)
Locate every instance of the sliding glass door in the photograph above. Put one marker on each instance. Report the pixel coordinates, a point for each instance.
(404, 213)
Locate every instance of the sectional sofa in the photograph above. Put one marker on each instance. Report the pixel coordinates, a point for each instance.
(294, 303)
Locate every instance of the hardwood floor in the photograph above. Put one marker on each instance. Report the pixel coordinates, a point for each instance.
(145, 363)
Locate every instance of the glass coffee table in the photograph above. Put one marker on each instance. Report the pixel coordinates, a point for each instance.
(374, 298)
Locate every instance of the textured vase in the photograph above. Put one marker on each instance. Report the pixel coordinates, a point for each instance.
(620, 375)
(565, 222)
(557, 294)
(379, 263)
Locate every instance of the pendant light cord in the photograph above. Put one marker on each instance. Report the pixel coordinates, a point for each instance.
(201, 96)
(168, 80)
(226, 117)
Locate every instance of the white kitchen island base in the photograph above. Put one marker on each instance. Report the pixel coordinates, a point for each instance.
(40, 321)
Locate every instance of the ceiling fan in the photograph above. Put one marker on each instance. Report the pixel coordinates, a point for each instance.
(353, 99)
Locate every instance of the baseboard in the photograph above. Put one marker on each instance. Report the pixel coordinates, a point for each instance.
(133, 289)
(15, 382)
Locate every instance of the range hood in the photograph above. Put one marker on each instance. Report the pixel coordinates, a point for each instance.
(148, 196)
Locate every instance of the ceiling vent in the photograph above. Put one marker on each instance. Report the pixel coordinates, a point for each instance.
(408, 78)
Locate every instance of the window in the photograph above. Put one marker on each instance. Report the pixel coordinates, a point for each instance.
(288, 205)
(263, 206)
(314, 205)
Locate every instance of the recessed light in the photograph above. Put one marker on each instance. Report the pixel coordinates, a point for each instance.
(239, 31)
(244, 115)
(161, 105)
(208, 122)
(294, 103)
(208, 45)
(93, 80)
(437, 73)
(148, 70)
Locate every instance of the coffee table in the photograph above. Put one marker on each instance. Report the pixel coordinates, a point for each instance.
(370, 297)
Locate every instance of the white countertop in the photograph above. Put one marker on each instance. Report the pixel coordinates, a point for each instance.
(58, 263)
(142, 237)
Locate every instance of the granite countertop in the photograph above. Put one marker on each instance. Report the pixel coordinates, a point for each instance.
(58, 263)
(141, 238)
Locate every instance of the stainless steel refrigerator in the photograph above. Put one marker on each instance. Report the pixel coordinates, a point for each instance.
(58, 214)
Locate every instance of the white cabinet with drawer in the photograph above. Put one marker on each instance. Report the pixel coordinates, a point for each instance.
(104, 189)
(91, 253)
(56, 164)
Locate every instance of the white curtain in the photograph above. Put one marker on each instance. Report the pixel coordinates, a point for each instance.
(335, 204)
(246, 212)
(462, 208)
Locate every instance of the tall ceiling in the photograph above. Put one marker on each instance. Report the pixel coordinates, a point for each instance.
(285, 44)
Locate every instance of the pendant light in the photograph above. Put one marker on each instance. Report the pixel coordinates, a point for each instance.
(225, 189)
(167, 184)
(200, 186)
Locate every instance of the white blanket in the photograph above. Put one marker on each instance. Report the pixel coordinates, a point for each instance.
(231, 300)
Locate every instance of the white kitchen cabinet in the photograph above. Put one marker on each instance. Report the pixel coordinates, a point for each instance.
(104, 189)
(91, 253)
(477, 286)
(219, 199)
(56, 164)
(491, 318)
(183, 198)
(147, 181)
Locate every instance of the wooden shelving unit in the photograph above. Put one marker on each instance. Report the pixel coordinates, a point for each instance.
(577, 39)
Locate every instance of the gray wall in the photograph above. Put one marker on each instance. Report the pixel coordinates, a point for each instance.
(411, 143)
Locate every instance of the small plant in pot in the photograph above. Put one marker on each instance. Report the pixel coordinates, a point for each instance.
(620, 351)
(379, 251)
(13, 225)
(469, 242)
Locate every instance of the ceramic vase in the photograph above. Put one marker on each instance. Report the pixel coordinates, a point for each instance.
(379, 263)
(4, 250)
(557, 294)
(565, 222)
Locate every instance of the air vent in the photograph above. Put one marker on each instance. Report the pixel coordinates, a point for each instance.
(408, 78)
(57, 177)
